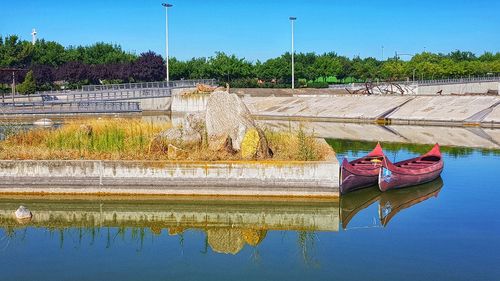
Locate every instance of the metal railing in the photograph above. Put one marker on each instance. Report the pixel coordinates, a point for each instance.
(149, 85)
(425, 82)
(111, 95)
(69, 107)
(117, 87)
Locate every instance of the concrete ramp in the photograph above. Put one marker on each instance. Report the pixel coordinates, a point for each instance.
(442, 109)
(456, 136)
(493, 117)
(334, 107)
(336, 130)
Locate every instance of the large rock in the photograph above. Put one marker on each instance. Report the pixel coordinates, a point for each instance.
(23, 214)
(181, 135)
(192, 130)
(227, 117)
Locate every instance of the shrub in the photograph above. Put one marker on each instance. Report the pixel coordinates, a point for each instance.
(317, 85)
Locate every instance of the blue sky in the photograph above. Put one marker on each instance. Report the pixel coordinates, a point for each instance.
(260, 29)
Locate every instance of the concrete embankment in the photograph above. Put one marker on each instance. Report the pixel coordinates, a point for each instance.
(458, 136)
(267, 178)
(419, 110)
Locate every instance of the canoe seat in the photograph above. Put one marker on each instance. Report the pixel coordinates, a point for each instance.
(430, 159)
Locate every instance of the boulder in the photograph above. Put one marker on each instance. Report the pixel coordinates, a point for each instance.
(23, 214)
(227, 116)
(181, 135)
(250, 144)
(44, 122)
(192, 130)
(196, 121)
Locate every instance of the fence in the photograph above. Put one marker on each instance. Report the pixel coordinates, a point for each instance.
(149, 85)
(68, 107)
(426, 82)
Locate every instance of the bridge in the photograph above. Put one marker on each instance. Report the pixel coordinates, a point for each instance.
(74, 107)
(95, 98)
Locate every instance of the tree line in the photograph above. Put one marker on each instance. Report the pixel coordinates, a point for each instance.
(52, 66)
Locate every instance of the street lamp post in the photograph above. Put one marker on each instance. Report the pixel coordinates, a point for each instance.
(292, 20)
(166, 5)
(13, 85)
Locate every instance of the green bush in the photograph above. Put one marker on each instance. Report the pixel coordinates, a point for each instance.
(28, 86)
(317, 85)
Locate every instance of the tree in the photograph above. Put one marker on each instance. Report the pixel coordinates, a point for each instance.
(326, 66)
(178, 69)
(227, 68)
(48, 53)
(28, 86)
(149, 67)
(44, 75)
(74, 72)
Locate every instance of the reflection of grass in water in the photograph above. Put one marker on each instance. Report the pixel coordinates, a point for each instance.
(76, 235)
(342, 146)
(307, 244)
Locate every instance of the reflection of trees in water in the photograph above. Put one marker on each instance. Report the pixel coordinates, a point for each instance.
(342, 146)
(307, 244)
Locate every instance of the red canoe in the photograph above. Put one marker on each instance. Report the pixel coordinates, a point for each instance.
(410, 172)
(362, 172)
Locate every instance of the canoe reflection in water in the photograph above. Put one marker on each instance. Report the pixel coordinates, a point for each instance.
(390, 202)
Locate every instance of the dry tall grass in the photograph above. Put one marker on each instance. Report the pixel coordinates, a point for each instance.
(130, 139)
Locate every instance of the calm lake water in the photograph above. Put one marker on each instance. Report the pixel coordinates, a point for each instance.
(445, 230)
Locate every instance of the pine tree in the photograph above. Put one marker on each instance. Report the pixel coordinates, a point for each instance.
(28, 86)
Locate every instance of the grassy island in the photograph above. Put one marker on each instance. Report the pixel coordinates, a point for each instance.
(132, 139)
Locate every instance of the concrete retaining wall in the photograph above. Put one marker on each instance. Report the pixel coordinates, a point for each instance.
(341, 107)
(154, 104)
(191, 178)
(442, 108)
(459, 89)
(189, 103)
(422, 110)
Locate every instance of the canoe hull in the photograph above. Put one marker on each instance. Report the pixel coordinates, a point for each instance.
(419, 170)
(362, 172)
(353, 180)
(399, 180)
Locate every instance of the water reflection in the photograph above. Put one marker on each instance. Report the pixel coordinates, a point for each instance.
(465, 137)
(394, 201)
(229, 225)
(390, 203)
